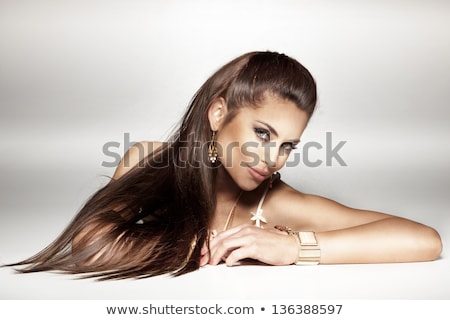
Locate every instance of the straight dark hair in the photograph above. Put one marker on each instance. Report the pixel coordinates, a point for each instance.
(172, 188)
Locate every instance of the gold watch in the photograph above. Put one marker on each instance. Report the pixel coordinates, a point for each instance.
(308, 248)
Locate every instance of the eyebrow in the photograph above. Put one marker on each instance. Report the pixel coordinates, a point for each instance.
(271, 129)
(274, 132)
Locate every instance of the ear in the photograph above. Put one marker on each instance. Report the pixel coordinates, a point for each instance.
(216, 113)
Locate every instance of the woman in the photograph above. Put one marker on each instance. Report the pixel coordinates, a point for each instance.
(211, 193)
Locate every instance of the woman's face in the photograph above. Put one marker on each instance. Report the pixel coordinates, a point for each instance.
(258, 140)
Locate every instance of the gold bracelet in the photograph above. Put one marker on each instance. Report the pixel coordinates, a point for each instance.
(308, 247)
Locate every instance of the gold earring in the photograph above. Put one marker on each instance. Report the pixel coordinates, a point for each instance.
(272, 179)
(212, 149)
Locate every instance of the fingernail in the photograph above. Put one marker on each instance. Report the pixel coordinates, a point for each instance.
(203, 261)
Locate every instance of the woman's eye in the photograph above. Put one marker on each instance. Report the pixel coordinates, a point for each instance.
(262, 134)
(288, 147)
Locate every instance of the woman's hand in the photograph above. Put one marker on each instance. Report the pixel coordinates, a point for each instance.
(269, 246)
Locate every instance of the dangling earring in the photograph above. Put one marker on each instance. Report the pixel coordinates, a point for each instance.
(271, 180)
(212, 149)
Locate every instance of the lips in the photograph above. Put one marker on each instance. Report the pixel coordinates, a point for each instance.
(258, 174)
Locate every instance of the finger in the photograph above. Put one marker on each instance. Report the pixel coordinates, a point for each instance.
(239, 254)
(224, 234)
(263, 245)
(218, 250)
(204, 255)
(219, 255)
(204, 250)
(226, 246)
(204, 259)
(240, 231)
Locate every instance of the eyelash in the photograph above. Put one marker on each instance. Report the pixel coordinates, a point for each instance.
(291, 146)
(261, 132)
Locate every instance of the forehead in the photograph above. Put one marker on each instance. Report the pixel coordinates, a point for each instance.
(283, 115)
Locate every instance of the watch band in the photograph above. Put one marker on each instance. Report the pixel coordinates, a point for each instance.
(308, 248)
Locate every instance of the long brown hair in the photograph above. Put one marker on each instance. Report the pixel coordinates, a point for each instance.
(172, 188)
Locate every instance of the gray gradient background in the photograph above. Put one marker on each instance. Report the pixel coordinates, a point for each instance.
(77, 74)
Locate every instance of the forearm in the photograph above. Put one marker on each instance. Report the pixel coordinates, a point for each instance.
(388, 240)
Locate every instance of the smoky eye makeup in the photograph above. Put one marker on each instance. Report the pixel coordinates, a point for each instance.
(262, 134)
(289, 146)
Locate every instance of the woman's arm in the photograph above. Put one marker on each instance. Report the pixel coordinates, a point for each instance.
(345, 235)
(348, 235)
(387, 240)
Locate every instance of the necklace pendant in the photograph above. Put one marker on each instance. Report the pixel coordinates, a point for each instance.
(258, 217)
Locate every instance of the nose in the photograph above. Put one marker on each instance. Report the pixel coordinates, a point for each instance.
(270, 154)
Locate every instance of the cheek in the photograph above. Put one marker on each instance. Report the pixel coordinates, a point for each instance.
(235, 154)
(227, 147)
(281, 161)
(235, 146)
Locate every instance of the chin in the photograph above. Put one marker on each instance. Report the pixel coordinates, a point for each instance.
(249, 185)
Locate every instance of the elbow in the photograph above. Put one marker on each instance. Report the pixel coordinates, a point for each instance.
(437, 244)
(431, 244)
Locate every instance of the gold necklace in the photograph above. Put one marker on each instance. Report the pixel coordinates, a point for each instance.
(231, 213)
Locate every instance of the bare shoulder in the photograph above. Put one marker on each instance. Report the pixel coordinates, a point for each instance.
(134, 155)
(286, 194)
(300, 210)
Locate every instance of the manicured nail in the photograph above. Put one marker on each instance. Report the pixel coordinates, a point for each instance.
(204, 261)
